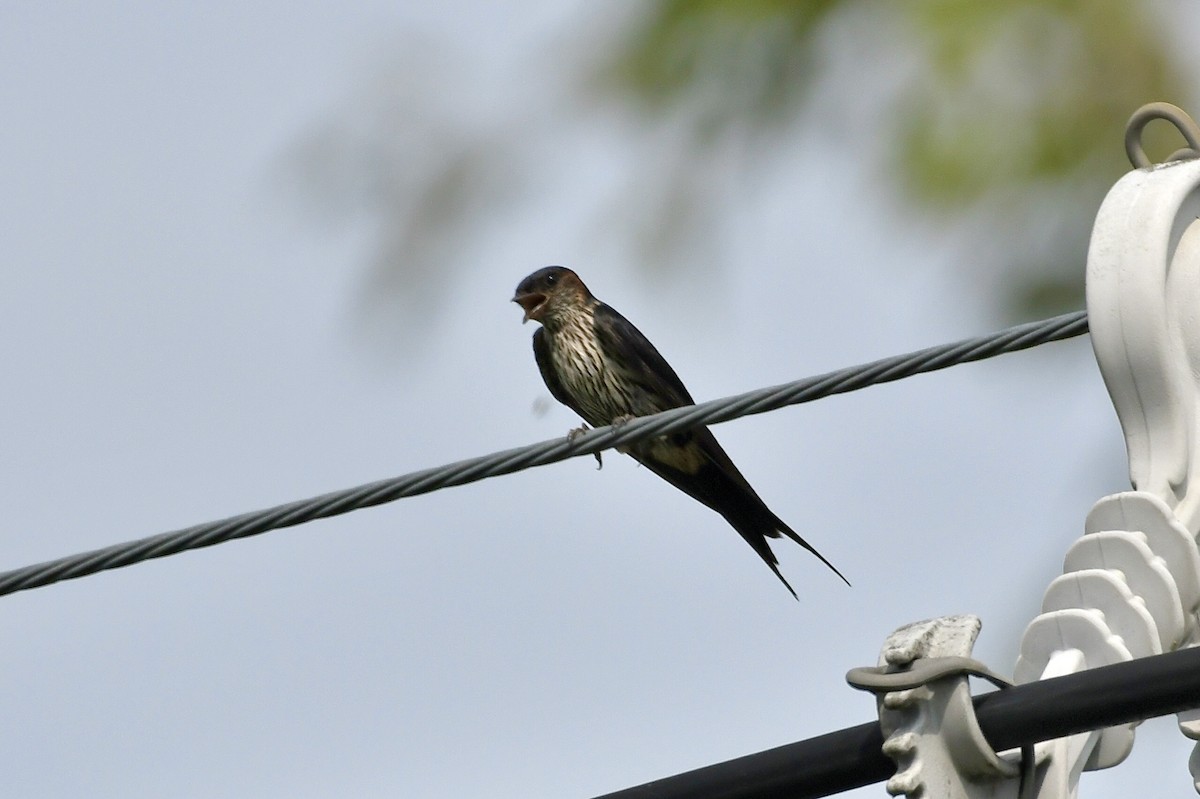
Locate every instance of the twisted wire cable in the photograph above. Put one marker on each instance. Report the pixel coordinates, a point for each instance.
(514, 460)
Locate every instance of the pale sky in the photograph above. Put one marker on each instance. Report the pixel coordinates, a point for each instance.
(179, 345)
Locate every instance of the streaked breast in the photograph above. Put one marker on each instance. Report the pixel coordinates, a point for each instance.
(597, 385)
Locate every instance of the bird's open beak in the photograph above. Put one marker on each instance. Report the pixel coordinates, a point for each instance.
(531, 302)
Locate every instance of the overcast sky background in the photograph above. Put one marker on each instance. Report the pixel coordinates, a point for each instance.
(179, 345)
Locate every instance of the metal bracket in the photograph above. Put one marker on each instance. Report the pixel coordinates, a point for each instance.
(928, 718)
(1131, 585)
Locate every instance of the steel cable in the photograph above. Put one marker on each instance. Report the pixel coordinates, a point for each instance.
(514, 460)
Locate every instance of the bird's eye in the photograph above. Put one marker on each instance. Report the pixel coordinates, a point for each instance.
(551, 280)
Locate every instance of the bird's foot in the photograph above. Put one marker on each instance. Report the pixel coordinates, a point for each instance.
(619, 422)
(575, 433)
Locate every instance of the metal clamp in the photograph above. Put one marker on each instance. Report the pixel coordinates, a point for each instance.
(928, 718)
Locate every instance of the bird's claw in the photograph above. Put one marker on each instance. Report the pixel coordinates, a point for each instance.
(575, 433)
(619, 422)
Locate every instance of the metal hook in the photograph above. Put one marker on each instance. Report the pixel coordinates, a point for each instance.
(1176, 116)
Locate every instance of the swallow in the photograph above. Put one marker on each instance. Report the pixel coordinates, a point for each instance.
(599, 365)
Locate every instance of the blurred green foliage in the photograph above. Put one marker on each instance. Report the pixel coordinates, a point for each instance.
(752, 60)
(1009, 109)
(997, 124)
(1016, 93)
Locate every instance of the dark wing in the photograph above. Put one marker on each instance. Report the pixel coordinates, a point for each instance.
(541, 354)
(624, 344)
(713, 479)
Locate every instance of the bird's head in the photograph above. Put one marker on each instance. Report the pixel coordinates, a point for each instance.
(549, 293)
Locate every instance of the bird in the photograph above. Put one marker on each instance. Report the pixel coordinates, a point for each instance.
(599, 365)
